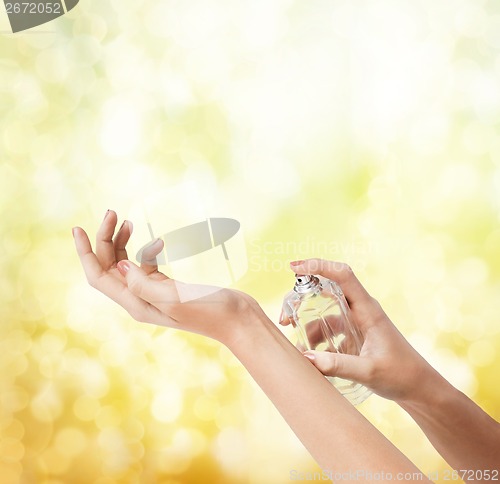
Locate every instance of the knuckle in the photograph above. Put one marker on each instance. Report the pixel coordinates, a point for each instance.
(92, 282)
(377, 370)
(135, 315)
(378, 313)
(337, 269)
(132, 315)
(135, 287)
(314, 266)
(372, 371)
(344, 269)
(374, 307)
(320, 265)
(332, 365)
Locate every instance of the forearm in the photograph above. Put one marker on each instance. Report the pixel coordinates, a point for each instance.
(466, 436)
(333, 431)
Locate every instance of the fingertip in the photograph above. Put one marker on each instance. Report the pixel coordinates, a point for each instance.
(157, 244)
(79, 235)
(308, 266)
(82, 242)
(123, 266)
(76, 236)
(281, 318)
(127, 224)
(285, 321)
(297, 266)
(151, 251)
(310, 355)
(127, 265)
(110, 217)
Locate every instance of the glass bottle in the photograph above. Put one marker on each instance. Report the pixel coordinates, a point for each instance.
(320, 315)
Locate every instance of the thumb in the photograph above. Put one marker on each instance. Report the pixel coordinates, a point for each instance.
(135, 276)
(350, 367)
(158, 293)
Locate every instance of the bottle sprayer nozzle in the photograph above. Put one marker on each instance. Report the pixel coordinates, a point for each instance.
(305, 283)
(302, 278)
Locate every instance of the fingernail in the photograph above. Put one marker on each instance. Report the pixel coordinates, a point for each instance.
(123, 267)
(106, 214)
(309, 356)
(297, 262)
(150, 244)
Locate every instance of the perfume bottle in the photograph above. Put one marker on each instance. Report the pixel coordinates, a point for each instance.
(319, 314)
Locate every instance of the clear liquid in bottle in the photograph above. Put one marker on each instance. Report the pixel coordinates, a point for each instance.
(320, 316)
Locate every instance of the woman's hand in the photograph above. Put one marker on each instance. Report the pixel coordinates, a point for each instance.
(461, 432)
(387, 364)
(150, 296)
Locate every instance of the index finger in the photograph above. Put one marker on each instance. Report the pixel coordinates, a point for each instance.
(339, 272)
(109, 285)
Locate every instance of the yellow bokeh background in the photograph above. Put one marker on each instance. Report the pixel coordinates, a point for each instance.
(357, 131)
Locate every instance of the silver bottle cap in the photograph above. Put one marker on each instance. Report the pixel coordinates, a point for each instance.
(305, 283)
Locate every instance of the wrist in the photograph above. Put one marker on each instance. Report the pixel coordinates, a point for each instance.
(432, 392)
(252, 321)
